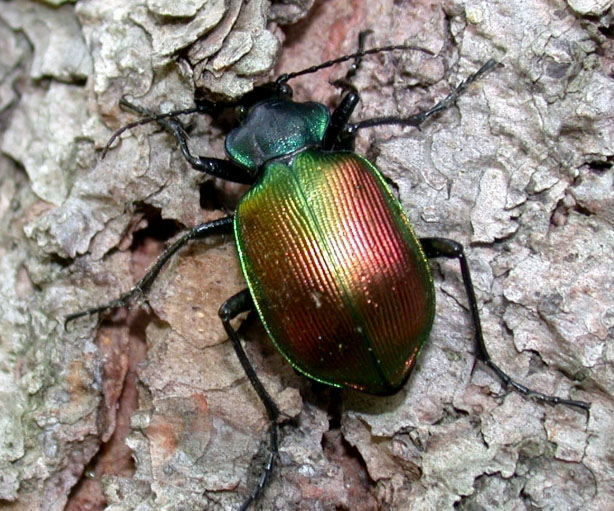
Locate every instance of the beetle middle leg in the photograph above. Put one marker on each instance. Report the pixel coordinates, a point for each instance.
(242, 302)
(221, 226)
(450, 249)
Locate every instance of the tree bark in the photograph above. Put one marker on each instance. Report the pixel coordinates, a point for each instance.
(148, 408)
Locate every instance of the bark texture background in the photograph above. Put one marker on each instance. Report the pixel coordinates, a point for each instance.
(149, 409)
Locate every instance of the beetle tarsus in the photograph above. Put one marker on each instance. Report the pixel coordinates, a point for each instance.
(345, 82)
(268, 467)
(355, 66)
(216, 167)
(122, 301)
(530, 393)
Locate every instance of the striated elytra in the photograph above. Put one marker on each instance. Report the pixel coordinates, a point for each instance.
(336, 274)
(333, 268)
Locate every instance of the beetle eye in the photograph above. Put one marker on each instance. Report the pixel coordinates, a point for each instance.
(285, 91)
(240, 112)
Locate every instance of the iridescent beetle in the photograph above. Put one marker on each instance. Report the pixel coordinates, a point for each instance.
(333, 268)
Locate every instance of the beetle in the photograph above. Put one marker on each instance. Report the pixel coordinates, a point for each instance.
(333, 268)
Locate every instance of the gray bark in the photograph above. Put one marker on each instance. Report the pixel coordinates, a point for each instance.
(519, 171)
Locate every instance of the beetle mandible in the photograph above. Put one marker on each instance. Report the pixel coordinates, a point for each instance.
(333, 268)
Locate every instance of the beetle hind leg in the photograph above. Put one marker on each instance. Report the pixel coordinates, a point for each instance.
(442, 247)
(242, 302)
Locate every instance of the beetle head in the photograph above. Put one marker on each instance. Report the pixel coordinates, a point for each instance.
(260, 94)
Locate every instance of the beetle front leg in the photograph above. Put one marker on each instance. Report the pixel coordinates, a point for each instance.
(221, 226)
(339, 134)
(450, 249)
(235, 305)
(216, 167)
(417, 119)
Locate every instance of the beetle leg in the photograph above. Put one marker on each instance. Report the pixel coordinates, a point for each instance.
(341, 134)
(417, 119)
(345, 82)
(201, 107)
(242, 302)
(355, 66)
(450, 249)
(221, 226)
(216, 167)
(337, 135)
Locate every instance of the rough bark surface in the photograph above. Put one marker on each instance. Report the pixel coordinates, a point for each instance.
(149, 409)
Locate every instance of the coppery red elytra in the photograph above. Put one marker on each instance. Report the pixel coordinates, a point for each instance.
(333, 268)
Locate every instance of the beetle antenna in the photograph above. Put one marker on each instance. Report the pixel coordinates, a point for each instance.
(353, 56)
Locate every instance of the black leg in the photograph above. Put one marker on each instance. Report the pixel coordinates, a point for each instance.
(338, 136)
(224, 169)
(444, 104)
(242, 302)
(221, 226)
(201, 107)
(346, 81)
(341, 134)
(442, 247)
(355, 66)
